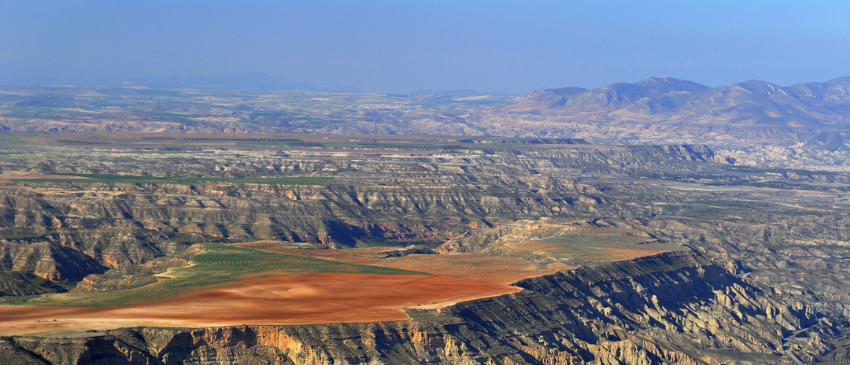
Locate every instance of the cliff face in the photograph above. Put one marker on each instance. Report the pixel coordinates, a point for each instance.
(670, 308)
(673, 308)
(21, 284)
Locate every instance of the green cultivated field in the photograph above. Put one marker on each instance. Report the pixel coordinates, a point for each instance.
(217, 265)
(129, 179)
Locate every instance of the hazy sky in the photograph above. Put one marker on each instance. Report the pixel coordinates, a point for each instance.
(402, 46)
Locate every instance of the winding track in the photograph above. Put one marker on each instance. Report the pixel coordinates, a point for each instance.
(799, 331)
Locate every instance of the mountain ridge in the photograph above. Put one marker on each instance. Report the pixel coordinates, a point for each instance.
(747, 111)
(677, 94)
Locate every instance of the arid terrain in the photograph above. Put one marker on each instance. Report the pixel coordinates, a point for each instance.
(152, 226)
(301, 299)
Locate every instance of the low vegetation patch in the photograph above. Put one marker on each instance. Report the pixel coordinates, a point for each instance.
(494, 269)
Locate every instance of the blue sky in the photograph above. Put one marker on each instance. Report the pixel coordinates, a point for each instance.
(402, 46)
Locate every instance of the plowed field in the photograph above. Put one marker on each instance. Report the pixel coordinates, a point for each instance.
(301, 299)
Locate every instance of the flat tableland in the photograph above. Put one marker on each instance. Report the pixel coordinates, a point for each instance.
(299, 299)
(594, 245)
(228, 285)
(215, 264)
(494, 269)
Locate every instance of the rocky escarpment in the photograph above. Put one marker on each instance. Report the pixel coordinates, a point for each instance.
(22, 284)
(670, 308)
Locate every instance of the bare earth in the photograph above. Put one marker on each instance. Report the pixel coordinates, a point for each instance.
(302, 299)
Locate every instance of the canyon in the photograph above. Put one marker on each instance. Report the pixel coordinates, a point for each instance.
(647, 223)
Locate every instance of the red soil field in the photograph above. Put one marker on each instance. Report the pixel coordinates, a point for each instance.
(302, 299)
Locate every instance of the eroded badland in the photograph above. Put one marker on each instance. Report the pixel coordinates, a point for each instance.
(657, 222)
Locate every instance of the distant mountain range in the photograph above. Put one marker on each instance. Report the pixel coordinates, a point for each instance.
(748, 122)
(670, 100)
(664, 107)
